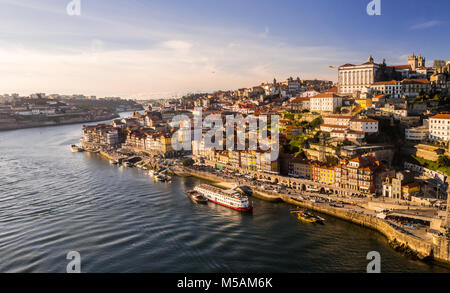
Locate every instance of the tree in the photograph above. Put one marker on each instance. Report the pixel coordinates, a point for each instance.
(443, 161)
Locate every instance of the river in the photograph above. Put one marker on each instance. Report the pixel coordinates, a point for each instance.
(53, 201)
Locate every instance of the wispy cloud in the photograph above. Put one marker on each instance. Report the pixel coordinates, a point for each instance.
(426, 25)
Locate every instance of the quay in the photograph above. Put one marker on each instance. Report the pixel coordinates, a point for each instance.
(428, 247)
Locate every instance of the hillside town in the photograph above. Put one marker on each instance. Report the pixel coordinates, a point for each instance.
(378, 139)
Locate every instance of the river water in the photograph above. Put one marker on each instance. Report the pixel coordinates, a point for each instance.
(53, 201)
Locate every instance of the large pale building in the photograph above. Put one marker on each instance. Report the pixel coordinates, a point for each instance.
(352, 78)
(359, 78)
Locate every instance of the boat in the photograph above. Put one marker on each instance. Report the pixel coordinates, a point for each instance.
(113, 162)
(308, 217)
(76, 149)
(196, 197)
(228, 198)
(128, 164)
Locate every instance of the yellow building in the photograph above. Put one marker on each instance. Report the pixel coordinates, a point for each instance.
(364, 103)
(410, 189)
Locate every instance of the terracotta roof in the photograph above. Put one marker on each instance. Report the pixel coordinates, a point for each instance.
(417, 80)
(303, 99)
(386, 82)
(338, 116)
(401, 66)
(335, 126)
(363, 120)
(325, 95)
(333, 90)
(441, 116)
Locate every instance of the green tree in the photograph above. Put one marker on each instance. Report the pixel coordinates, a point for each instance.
(443, 161)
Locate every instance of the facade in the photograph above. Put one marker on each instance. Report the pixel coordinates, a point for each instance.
(417, 133)
(365, 125)
(364, 103)
(352, 78)
(343, 120)
(400, 186)
(300, 104)
(439, 127)
(325, 102)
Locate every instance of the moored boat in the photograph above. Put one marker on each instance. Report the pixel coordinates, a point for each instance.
(228, 198)
(308, 217)
(76, 149)
(196, 197)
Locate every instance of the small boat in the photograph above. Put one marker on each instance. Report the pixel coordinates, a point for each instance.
(307, 217)
(113, 162)
(128, 164)
(196, 197)
(76, 149)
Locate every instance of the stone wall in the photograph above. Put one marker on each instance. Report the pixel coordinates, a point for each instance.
(439, 249)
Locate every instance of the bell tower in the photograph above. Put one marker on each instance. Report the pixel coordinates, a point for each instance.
(421, 61)
(413, 62)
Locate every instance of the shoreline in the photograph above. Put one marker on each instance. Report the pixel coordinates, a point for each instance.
(399, 241)
(437, 251)
(116, 115)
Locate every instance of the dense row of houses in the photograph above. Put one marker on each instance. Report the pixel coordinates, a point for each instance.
(362, 174)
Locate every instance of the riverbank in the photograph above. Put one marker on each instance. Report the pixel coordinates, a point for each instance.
(437, 249)
(37, 124)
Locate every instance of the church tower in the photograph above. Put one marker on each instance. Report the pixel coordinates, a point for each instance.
(413, 62)
(421, 61)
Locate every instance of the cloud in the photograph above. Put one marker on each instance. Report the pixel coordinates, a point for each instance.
(426, 25)
(177, 45)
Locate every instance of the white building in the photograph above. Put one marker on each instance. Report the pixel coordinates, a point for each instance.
(343, 120)
(309, 94)
(325, 102)
(439, 127)
(417, 133)
(393, 88)
(365, 125)
(352, 78)
(347, 134)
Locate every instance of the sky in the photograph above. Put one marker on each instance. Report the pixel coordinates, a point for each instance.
(163, 48)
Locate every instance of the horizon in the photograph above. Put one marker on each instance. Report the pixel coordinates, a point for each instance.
(157, 50)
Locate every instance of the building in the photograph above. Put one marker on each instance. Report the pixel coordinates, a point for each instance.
(358, 174)
(365, 125)
(439, 127)
(325, 102)
(417, 133)
(331, 119)
(415, 87)
(364, 103)
(352, 78)
(300, 104)
(400, 186)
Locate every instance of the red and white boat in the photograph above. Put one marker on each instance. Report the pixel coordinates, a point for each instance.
(228, 198)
